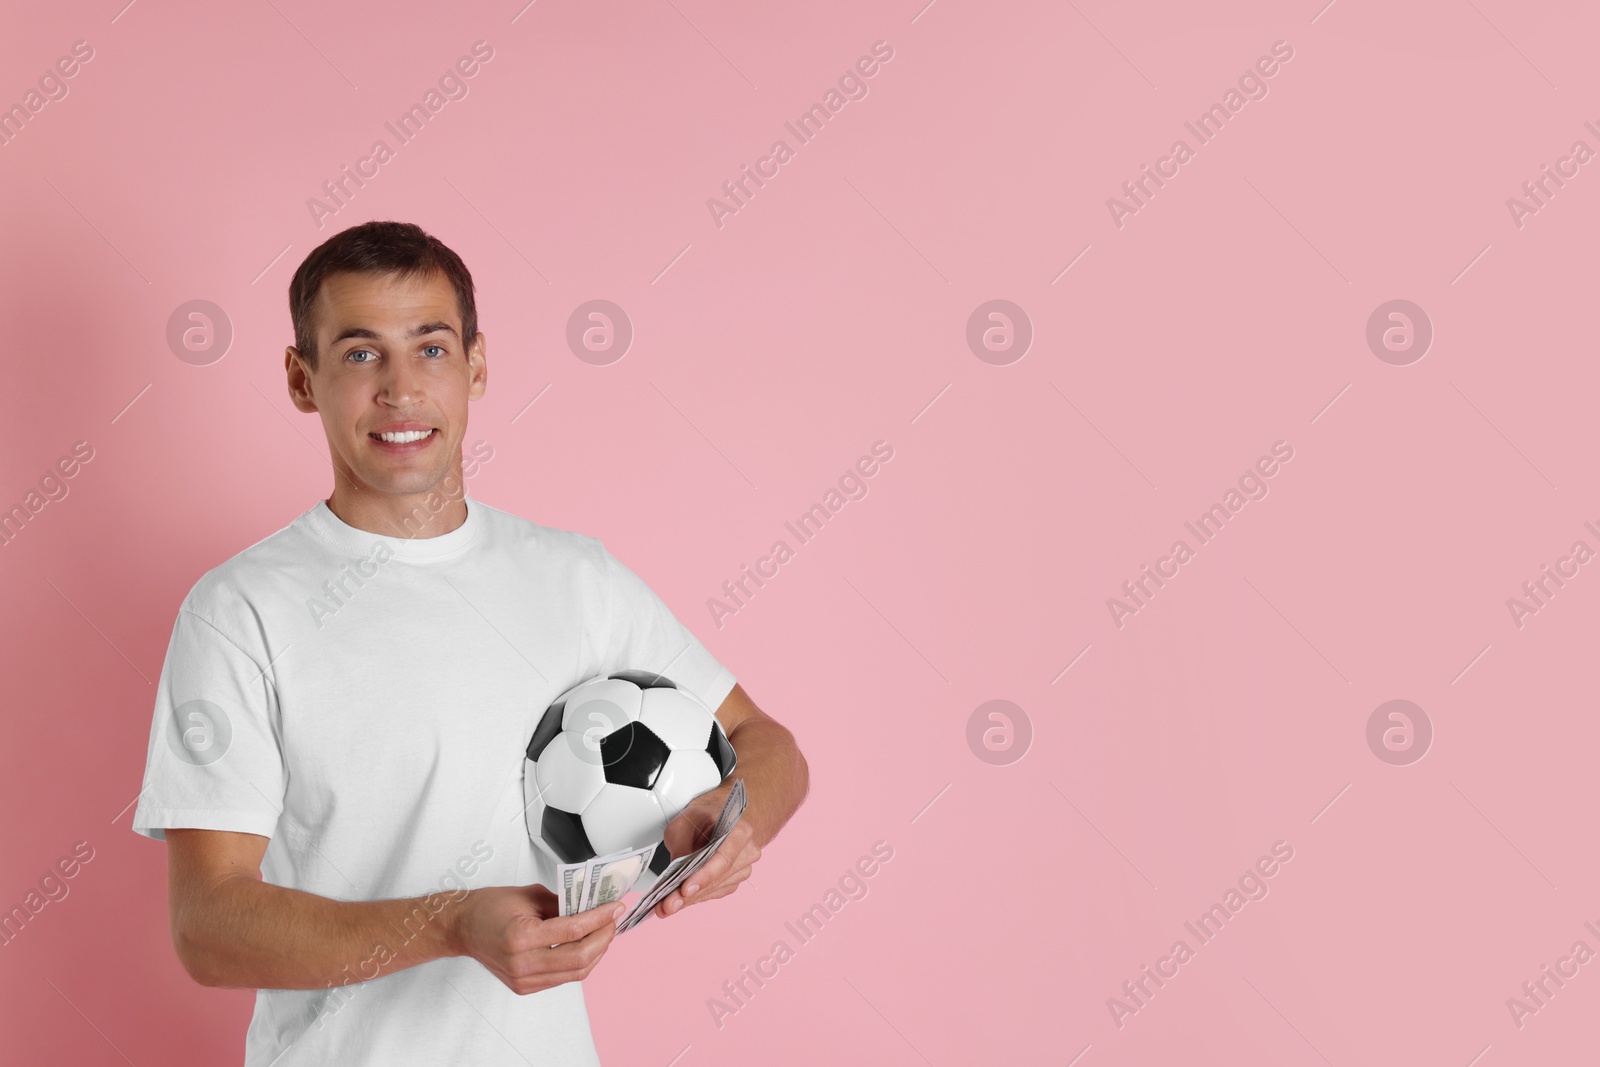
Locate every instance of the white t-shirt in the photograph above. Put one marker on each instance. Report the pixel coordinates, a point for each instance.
(365, 702)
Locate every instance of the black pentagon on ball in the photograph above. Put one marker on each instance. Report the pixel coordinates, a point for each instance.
(660, 858)
(548, 727)
(721, 752)
(633, 755)
(564, 833)
(645, 680)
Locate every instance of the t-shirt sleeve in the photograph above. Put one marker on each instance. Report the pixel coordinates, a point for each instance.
(214, 761)
(643, 634)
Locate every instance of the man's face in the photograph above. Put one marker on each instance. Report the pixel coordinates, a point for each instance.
(392, 381)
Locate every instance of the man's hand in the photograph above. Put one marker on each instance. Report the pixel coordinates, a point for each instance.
(727, 867)
(519, 934)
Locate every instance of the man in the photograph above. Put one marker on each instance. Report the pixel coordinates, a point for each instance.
(336, 751)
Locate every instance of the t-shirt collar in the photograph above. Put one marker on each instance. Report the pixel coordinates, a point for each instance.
(341, 535)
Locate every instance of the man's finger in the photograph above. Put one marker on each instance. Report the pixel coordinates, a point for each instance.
(720, 870)
(713, 872)
(735, 847)
(574, 955)
(715, 869)
(575, 927)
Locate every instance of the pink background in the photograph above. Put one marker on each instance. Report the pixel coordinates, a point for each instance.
(828, 314)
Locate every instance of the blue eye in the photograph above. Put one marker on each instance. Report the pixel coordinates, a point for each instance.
(440, 349)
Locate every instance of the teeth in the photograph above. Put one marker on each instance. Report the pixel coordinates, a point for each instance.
(405, 437)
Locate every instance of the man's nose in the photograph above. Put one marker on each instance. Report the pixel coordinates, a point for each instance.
(401, 383)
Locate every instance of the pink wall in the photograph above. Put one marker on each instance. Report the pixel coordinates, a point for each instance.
(1227, 313)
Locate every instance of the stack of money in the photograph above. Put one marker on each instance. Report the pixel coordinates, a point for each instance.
(602, 880)
(606, 879)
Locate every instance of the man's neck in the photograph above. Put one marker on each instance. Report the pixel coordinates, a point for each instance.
(409, 516)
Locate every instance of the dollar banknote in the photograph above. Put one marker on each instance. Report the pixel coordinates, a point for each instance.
(571, 880)
(609, 878)
(601, 880)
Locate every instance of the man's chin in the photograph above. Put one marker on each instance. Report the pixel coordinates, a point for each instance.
(410, 483)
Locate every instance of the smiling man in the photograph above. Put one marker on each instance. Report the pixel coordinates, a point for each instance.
(332, 783)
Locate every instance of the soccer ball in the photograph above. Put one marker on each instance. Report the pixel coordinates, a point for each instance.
(614, 760)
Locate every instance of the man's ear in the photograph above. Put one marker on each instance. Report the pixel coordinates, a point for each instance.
(300, 391)
(478, 361)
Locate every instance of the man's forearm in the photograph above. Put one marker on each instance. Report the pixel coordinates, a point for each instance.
(242, 932)
(775, 775)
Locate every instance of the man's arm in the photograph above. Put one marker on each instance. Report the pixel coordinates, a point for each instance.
(775, 774)
(776, 779)
(232, 929)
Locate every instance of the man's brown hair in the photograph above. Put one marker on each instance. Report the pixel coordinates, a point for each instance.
(400, 248)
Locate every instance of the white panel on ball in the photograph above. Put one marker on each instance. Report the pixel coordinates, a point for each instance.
(570, 781)
(684, 776)
(602, 705)
(623, 817)
(532, 798)
(677, 718)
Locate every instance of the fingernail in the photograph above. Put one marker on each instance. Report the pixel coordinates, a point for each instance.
(693, 888)
(618, 912)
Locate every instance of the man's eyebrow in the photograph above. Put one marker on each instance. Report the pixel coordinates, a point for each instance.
(372, 335)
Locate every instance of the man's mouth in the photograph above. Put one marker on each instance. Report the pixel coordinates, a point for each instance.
(403, 437)
(404, 442)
